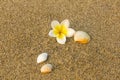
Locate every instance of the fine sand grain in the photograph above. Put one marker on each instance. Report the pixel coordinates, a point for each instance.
(24, 27)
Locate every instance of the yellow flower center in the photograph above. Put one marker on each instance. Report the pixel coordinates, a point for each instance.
(60, 31)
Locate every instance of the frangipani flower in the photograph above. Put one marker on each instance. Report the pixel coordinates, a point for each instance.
(61, 31)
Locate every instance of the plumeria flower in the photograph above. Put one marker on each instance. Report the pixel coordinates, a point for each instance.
(61, 30)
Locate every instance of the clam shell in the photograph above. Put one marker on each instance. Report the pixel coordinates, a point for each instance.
(46, 68)
(42, 57)
(82, 37)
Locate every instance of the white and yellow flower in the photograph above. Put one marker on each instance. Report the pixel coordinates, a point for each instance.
(61, 31)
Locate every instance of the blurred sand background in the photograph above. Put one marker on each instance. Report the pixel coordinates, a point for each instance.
(24, 27)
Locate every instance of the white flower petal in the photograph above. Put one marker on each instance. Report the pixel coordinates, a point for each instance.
(66, 23)
(71, 32)
(54, 23)
(61, 40)
(51, 34)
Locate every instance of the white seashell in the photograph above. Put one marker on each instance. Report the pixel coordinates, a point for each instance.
(46, 68)
(42, 57)
(82, 37)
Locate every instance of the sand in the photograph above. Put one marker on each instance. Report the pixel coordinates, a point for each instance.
(24, 27)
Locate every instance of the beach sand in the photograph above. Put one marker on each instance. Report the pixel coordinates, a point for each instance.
(24, 27)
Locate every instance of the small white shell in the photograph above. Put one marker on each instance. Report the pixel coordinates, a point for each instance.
(46, 68)
(82, 37)
(42, 57)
